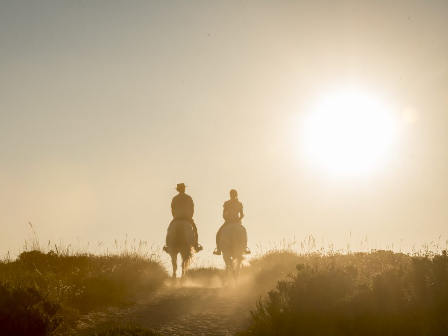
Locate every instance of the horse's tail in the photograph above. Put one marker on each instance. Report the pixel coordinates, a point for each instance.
(184, 246)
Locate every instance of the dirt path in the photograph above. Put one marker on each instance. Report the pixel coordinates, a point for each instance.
(181, 311)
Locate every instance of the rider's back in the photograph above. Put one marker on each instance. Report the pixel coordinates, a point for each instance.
(182, 206)
(232, 209)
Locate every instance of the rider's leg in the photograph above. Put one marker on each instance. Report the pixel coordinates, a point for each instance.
(196, 236)
(218, 248)
(167, 243)
(165, 248)
(217, 237)
(174, 263)
(195, 231)
(246, 251)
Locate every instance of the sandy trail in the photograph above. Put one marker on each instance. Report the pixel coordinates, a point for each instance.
(185, 310)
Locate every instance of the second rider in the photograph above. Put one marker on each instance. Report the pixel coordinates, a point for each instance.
(232, 213)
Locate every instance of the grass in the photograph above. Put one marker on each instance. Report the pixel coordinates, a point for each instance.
(302, 290)
(76, 282)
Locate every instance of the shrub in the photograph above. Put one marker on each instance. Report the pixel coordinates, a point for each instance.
(272, 266)
(379, 293)
(26, 311)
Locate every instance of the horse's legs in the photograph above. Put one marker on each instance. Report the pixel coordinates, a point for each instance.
(185, 264)
(238, 261)
(234, 263)
(227, 269)
(174, 262)
(229, 266)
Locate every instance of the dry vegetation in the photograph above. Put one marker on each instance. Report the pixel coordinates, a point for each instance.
(371, 293)
(306, 292)
(43, 292)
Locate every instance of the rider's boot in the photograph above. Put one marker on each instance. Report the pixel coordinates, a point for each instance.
(165, 248)
(198, 247)
(216, 251)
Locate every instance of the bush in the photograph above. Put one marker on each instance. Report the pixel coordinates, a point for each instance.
(26, 311)
(380, 293)
(272, 266)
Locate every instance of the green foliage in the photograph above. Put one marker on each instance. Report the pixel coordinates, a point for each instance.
(126, 331)
(26, 311)
(378, 293)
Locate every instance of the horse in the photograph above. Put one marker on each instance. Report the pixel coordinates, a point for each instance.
(233, 242)
(180, 239)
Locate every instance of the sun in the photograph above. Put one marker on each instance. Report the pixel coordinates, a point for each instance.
(348, 132)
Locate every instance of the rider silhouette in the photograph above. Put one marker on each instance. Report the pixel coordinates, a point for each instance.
(232, 213)
(182, 208)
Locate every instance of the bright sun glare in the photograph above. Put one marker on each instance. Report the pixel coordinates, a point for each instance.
(349, 133)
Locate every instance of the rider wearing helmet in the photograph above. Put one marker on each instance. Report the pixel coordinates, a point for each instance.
(182, 208)
(232, 213)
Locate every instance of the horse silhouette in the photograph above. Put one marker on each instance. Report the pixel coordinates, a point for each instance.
(180, 240)
(233, 242)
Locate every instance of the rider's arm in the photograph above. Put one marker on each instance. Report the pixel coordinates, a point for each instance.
(241, 212)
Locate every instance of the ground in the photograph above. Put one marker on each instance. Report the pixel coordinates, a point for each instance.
(181, 310)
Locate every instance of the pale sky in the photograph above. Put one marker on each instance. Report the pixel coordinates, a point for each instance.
(106, 105)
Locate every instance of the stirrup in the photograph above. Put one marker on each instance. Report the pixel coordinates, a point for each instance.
(165, 248)
(215, 251)
(198, 248)
(247, 251)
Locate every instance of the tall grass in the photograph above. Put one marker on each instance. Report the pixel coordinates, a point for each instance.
(83, 281)
(77, 281)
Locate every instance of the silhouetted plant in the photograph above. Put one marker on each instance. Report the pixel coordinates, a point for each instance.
(84, 281)
(26, 311)
(378, 293)
(81, 282)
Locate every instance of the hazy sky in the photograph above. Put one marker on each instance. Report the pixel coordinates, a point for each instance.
(106, 105)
